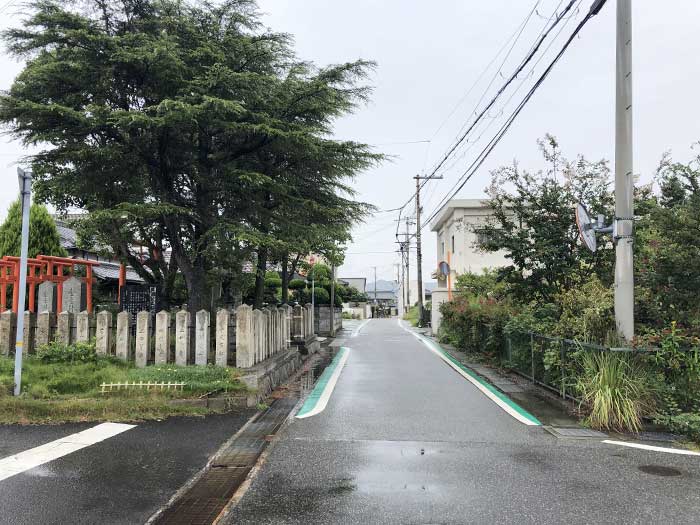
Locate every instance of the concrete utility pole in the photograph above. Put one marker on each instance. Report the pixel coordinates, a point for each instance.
(419, 253)
(408, 265)
(25, 188)
(624, 176)
(375, 284)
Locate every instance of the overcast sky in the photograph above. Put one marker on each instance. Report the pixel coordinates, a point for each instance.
(429, 55)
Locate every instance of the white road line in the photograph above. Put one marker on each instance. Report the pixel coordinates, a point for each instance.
(34, 457)
(652, 447)
(357, 330)
(328, 390)
(493, 397)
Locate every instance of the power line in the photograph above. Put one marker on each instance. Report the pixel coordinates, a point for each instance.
(594, 10)
(518, 70)
(517, 33)
(518, 87)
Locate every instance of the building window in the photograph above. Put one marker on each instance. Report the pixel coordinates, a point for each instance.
(453, 244)
(482, 237)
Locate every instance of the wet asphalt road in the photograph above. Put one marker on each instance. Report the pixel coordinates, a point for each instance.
(406, 440)
(123, 479)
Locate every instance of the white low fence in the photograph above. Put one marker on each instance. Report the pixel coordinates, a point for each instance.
(242, 337)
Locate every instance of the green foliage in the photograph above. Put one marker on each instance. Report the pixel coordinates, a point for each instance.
(676, 363)
(43, 236)
(322, 296)
(412, 316)
(533, 222)
(273, 280)
(476, 324)
(297, 284)
(485, 284)
(188, 127)
(587, 312)
(615, 390)
(60, 372)
(687, 423)
(199, 379)
(57, 352)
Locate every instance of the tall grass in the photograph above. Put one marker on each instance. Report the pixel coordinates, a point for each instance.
(615, 390)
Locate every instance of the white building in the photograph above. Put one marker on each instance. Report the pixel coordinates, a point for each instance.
(457, 228)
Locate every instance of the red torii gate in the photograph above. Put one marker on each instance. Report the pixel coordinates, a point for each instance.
(44, 268)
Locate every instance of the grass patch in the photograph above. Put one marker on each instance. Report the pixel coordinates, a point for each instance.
(115, 409)
(412, 316)
(54, 391)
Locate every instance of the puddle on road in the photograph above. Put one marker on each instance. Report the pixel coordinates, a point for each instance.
(659, 470)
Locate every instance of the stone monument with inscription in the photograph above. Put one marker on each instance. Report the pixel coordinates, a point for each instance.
(46, 297)
(73, 297)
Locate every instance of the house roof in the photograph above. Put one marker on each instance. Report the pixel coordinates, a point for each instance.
(359, 283)
(446, 210)
(108, 271)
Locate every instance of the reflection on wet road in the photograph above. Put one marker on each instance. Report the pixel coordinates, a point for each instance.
(405, 439)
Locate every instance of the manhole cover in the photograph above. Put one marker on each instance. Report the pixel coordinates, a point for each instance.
(658, 470)
(576, 433)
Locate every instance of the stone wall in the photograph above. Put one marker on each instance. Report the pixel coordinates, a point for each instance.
(322, 320)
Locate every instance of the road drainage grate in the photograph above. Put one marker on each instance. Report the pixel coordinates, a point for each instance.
(202, 503)
(575, 433)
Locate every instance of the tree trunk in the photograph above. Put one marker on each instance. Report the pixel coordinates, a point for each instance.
(260, 278)
(285, 278)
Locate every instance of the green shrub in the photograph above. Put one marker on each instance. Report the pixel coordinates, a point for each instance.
(297, 284)
(475, 324)
(56, 352)
(587, 312)
(685, 423)
(615, 390)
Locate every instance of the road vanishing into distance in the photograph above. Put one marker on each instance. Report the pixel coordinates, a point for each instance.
(396, 435)
(406, 439)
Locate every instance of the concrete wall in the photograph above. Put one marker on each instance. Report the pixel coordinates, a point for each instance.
(322, 320)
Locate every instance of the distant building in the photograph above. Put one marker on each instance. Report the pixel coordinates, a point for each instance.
(428, 288)
(359, 283)
(458, 238)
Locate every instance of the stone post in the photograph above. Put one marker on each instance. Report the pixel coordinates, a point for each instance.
(123, 347)
(202, 338)
(162, 337)
(310, 321)
(245, 337)
(82, 327)
(286, 332)
(7, 324)
(29, 335)
(44, 326)
(259, 328)
(267, 349)
(103, 333)
(63, 323)
(182, 337)
(73, 298)
(298, 322)
(143, 338)
(223, 339)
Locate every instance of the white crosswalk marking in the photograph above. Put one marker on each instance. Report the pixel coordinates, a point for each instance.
(34, 457)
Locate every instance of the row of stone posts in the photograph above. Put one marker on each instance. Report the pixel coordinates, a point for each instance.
(258, 334)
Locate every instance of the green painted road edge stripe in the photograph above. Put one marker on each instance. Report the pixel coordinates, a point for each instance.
(315, 395)
(488, 386)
